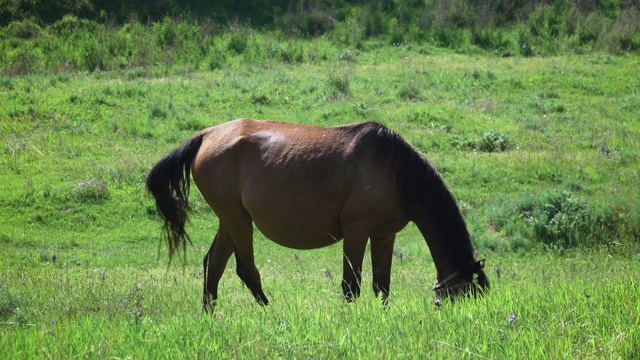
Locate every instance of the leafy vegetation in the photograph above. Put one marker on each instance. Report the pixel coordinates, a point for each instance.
(559, 219)
(56, 36)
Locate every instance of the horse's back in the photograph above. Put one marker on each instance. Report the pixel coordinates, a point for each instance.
(308, 155)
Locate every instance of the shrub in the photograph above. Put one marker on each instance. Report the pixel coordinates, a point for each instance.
(238, 41)
(497, 39)
(525, 41)
(165, 32)
(493, 141)
(376, 21)
(8, 302)
(561, 219)
(410, 91)
(338, 84)
(486, 242)
(349, 32)
(519, 243)
(6, 82)
(347, 55)
(396, 33)
(215, 60)
(93, 55)
(625, 32)
(591, 28)
(307, 23)
(25, 29)
(450, 23)
(27, 59)
(157, 111)
(289, 53)
(558, 220)
(91, 191)
(66, 26)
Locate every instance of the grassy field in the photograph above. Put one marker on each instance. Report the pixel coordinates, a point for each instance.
(542, 154)
(542, 306)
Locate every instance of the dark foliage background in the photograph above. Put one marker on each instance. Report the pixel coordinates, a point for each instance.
(64, 35)
(480, 13)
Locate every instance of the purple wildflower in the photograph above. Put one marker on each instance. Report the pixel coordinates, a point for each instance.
(512, 318)
(437, 301)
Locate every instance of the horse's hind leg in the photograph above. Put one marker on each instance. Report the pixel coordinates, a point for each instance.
(214, 264)
(245, 265)
(381, 257)
(249, 274)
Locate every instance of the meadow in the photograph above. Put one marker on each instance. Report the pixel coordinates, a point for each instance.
(541, 152)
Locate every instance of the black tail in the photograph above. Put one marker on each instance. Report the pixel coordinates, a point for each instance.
(169, 183)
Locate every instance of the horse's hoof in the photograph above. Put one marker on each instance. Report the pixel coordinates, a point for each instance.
(209, 307)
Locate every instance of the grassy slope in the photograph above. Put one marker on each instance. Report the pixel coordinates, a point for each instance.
(77, 149)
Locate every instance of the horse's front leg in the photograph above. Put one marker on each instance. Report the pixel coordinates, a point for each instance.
(381, 258)
(355, 242)
(214, 264)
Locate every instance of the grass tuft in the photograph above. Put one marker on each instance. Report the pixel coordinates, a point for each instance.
(91, 191)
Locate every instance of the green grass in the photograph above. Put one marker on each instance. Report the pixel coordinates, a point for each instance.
(581, 306)
(77, 147)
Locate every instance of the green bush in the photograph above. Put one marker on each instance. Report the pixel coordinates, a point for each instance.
(410, 91)
(238, 41)
(338, 83)
(493, 141)
(562, 219)
(9, 303)
(376, 22)
(24, 29)
(91, 191)
(24, 60)
(559, 220)
(625, 32)
(306, 23)
(6, 83)
(165, 32)
(215, 60)
(349, 32)
(497, 39)
(70, 25)
(289, 53)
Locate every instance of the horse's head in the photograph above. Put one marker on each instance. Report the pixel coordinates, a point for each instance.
(457, 284)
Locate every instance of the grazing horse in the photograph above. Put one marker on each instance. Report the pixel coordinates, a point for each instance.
(306, 187)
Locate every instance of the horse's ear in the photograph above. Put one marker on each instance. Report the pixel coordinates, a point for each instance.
(483, 281)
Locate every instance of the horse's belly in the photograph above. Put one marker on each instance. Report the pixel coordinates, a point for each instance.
(297, 228)
(302, 241)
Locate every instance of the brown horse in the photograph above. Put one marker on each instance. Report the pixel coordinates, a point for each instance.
(306, 187)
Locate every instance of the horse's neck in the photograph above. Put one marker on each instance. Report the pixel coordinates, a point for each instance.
(448, 242)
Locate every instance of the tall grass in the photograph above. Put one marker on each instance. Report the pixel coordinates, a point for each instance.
(582, 306)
